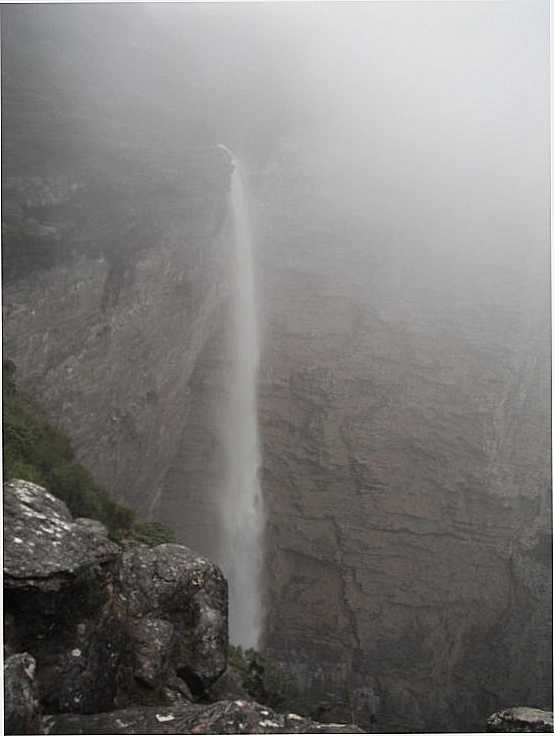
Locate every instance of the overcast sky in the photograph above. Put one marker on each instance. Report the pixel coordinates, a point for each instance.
(425, 118)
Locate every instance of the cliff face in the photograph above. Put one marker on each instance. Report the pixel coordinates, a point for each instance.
(403, 421)
(110, 334)
(404, 408)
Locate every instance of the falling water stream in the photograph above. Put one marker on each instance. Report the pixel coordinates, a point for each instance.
(241, 501)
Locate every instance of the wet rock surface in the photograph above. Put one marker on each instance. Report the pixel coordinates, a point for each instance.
(224, 717)
(22, 713)
(521, 720)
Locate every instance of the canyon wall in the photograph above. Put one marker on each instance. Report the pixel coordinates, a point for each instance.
(405, 415)
(110, 336)
(405, 447)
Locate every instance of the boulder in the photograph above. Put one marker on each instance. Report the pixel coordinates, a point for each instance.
(21, 707)
(44, 548)
(176, 603)
(108, 628)
(153, 639)
(224, 717)
(521, 720)
(58, 600)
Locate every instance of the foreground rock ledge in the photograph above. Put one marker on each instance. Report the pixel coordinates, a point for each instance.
(111, 631)
(521, 720)
(108, 628)
(227, 716)
(44, 547)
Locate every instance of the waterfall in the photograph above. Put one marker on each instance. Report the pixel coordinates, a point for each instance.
(241, 500)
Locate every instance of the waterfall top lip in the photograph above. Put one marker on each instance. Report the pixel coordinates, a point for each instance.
(221, 145)
(227, 150)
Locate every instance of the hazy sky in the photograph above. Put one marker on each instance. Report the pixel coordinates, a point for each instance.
(425, 118)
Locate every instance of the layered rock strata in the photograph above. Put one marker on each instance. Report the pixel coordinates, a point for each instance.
(404, 415)
(116, 328)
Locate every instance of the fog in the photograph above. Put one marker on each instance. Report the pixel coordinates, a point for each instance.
(396, 159)
(425, 122)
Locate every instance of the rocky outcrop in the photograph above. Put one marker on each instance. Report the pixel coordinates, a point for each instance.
(63, 549)
(521, 720)
(224, 717)
(22, 713)
(115, 640)
(106, 626)
(176, 602)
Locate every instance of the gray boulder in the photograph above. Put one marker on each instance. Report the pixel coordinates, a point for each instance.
(58, 600)
(176, 603)
(224, 717)
(107, 628)
(521, 720)
(21, 707)
(44, 549)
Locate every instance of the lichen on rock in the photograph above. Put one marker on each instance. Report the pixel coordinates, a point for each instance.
(223, 717)
(44, 548)
(22, 713)
(521, 720)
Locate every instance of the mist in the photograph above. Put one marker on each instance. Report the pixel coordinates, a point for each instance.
(329, 374)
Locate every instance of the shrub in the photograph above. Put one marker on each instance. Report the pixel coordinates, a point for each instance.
(152, 533)
(264, 679)
(36, 451)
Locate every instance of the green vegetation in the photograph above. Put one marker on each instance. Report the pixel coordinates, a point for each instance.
(34, 450)
(262, 678)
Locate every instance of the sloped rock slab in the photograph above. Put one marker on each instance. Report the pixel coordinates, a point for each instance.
(521, 720)
(21, 707)
(225, 717)
(176, 602)
(44, 548)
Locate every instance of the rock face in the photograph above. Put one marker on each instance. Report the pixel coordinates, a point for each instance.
(177, 602)
(521, 720)
(142, 627)
(403, 411)
(21, 707)
(237, 716)
(63, 548)
(90, 308)
(107, 627)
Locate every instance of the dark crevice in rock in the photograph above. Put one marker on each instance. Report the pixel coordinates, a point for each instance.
(192, 680)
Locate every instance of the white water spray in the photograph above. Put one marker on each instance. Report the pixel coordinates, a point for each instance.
(241, 500)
